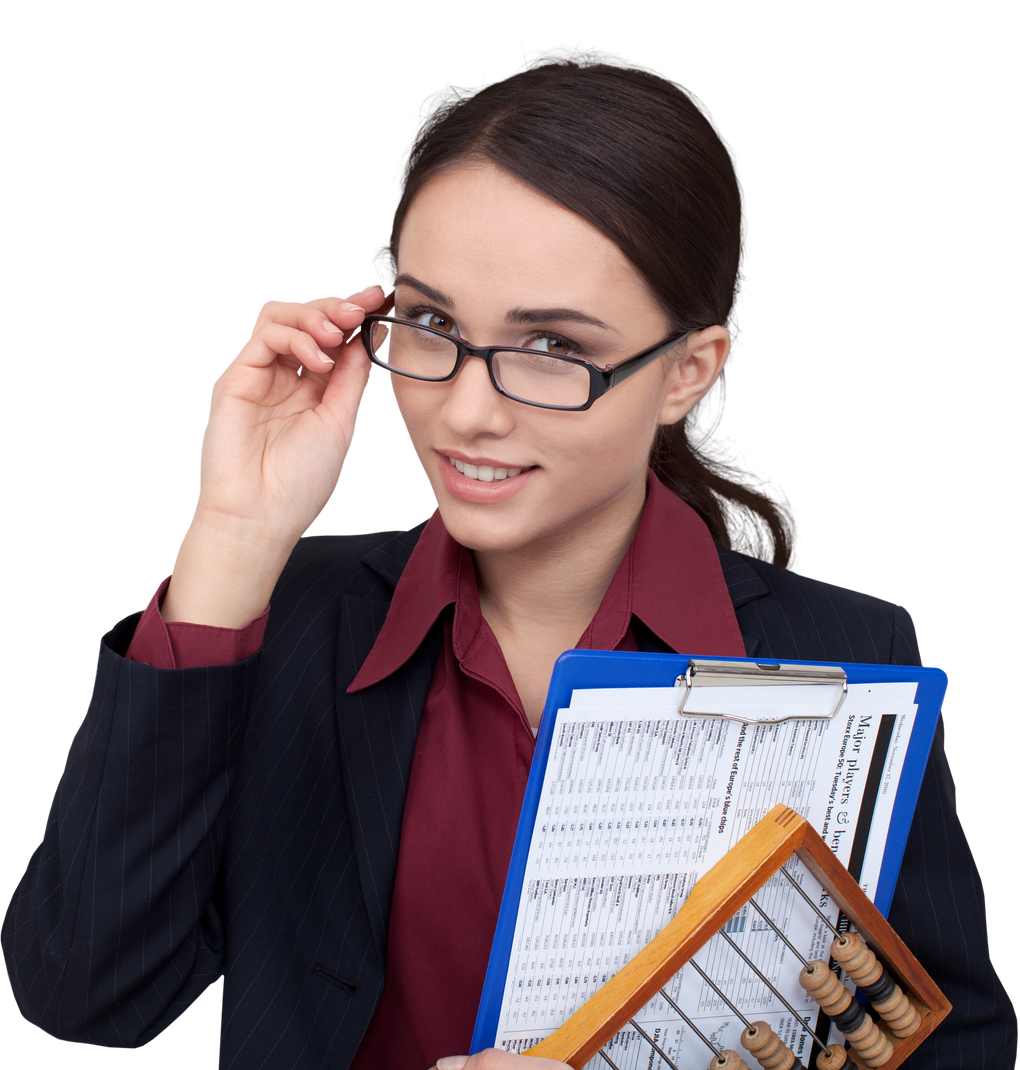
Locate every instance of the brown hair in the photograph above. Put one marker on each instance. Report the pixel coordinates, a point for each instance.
(633, 155)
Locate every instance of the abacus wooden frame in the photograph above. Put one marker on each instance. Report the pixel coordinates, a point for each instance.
(724, 889)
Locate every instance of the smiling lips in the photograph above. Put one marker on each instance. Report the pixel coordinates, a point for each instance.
(483, 472)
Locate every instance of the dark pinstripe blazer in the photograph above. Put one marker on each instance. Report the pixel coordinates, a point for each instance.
(245, 820)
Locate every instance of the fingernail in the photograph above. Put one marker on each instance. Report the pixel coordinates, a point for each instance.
(325, 359)
(348, 307)
(451, 1062)
(332, 328)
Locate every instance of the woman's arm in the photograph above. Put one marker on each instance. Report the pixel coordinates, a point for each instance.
(115, 927)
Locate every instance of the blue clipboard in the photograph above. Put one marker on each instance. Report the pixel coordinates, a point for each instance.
(614, 669)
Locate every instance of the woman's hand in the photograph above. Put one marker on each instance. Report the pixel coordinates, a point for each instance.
(494, 1059)
(281, 422)
(283, 416)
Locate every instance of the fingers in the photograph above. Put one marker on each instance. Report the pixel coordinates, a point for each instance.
(371, 300)
(494, 1059)
(309, 334)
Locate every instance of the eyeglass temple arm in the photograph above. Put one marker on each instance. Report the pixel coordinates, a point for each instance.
(629, 367)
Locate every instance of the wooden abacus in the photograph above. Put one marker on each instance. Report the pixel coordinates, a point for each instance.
(906, 1004)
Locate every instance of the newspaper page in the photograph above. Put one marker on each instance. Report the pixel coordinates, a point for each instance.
(637, 803)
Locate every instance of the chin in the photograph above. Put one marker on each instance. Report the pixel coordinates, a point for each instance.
(483, 533)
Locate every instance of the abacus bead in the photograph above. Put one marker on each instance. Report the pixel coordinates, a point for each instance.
(854, 955)
(729, 1060)
(870, 1043)
(767, 1048)
(864, 1036)
(824, 987)
(845, 949)
(851, 1019)
(882, 1058)
(756, 1036)
(849, 950)
(883, 989)
(899, 1014)
(833, 1058)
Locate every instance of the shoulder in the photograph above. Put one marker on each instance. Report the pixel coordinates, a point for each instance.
(782, 614)
(323, 569)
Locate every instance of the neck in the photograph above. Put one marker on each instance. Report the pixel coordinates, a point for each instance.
(553, 587)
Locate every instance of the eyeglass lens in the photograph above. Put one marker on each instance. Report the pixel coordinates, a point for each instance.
(536, 377)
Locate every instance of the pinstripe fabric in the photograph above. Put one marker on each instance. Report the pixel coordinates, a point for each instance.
(245, 820)
(938, 907)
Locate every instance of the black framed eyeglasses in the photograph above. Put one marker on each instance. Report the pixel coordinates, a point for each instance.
(526, 375)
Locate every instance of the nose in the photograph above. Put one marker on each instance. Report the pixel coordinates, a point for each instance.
(473, 406)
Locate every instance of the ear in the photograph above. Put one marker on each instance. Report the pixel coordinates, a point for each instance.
(692, 374)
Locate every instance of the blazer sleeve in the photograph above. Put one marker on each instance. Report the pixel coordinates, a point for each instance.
(938, 909)
(116, 927)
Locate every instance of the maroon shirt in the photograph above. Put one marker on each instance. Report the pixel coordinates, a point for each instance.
(474, 750)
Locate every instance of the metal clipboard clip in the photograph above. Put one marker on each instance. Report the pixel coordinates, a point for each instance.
(812, 692)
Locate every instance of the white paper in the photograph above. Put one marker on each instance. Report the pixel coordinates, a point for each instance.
(637, 803)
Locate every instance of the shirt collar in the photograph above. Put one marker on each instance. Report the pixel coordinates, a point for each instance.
(677, 587)
(670, 578)
(427, 585)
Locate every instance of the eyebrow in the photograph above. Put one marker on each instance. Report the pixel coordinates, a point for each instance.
(515, 315)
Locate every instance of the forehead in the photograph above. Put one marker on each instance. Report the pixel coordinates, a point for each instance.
(478, 231)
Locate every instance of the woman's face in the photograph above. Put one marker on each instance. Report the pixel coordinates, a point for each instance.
(487, 257)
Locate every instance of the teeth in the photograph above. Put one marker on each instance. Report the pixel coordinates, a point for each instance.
(483, 472)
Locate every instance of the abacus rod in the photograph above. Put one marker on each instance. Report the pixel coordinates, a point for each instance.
(782, 936)
(810, 902)
(704, 1040)
(718, 991)
(775, 991)
(662, 1055)
(612, 1065)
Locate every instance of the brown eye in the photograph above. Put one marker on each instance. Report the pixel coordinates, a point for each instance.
(436, 320)
(555, 347)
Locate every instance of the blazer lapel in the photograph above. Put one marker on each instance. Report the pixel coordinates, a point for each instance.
(378, 728)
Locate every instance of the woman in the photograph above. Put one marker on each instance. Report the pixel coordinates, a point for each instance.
(319, 801)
